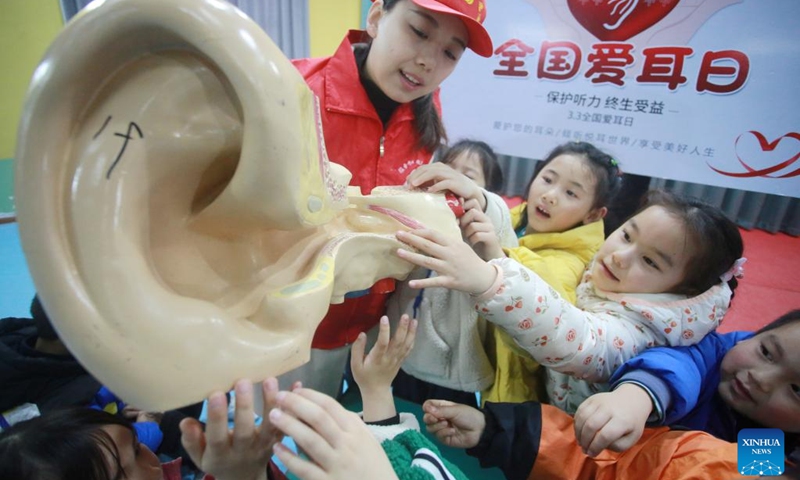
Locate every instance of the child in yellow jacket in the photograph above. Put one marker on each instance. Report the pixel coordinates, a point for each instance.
(560, 228)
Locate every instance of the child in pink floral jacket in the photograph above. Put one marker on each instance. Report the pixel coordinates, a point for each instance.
(665, 277)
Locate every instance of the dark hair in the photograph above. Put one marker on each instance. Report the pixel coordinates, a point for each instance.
(44, 328)
(604, 167)
(492, 172)
(427, 121)
(65, 444)
(717, 240)
(792, 440)
(785, 319)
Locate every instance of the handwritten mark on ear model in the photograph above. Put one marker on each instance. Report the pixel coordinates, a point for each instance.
(128, 137)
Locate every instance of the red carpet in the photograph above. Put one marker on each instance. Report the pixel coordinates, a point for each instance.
(770, 287)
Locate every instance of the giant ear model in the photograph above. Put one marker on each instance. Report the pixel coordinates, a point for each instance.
(181, 221)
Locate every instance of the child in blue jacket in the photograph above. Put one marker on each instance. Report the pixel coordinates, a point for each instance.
(720, 385)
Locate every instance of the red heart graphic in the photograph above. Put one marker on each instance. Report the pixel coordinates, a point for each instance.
(619, 20)
(766, 146)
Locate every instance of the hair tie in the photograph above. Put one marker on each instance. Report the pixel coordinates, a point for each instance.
(614, 162)
(737, 270)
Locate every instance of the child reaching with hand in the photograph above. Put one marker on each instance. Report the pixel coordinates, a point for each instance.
(449, 359)
(477, 161)
(559, 230)
(720, 385)
(662, 278)
(535, 441)
(343, 445)
(384, 84)
(79, 443)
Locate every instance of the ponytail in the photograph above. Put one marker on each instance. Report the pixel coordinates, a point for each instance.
(428, 124)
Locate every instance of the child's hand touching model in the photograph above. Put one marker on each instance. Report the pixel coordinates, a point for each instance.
(439, 177)
(457, 265)
(339, 444)
(480, 232)
(640, 291)
(243, 452)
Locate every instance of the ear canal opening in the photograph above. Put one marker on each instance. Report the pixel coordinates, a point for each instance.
(213, 181)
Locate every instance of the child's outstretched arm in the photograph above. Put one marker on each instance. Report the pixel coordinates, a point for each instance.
(453, 424)
(239, 454)
(612, 420)
(457, 266)
(555, 333)
(375, 371)
(339, 444)
(438, 177)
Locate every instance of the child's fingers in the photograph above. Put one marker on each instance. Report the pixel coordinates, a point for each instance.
(299, 466)
(321, 411)
(602, 439)
(429, 419)
(429, 241)
(411, 336)
(384, 337)
(625, 441)
(217, 435)
(192, 439)
(438, 281)
(439, 429)
(400, 334)
(432, 404)
(422, 175)
(269, 391)
(306, 436)
(433, 172)
(597, 432)
(473, 215)
(472, 204)
(420, 260)
(476, 234)
(357, 353)
(474, 227)
(442, 409)
(444, 185)
(403, 340)
(244, 414)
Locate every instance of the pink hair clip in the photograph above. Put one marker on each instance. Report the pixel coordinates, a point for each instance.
(737, 270)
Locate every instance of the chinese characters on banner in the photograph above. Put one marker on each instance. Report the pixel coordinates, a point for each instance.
(693, 90)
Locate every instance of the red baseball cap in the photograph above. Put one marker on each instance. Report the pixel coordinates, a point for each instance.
(472, 13)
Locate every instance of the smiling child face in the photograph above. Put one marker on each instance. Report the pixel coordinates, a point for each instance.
(760, 378)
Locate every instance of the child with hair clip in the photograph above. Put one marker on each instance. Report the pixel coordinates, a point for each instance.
(79, 443)
(654, 281)
(477, 161)
(380, 114)
(377, 444)
(718, 386)
(559, 229)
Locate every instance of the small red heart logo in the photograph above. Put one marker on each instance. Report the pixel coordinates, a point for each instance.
(619, 20)
(763, 155)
